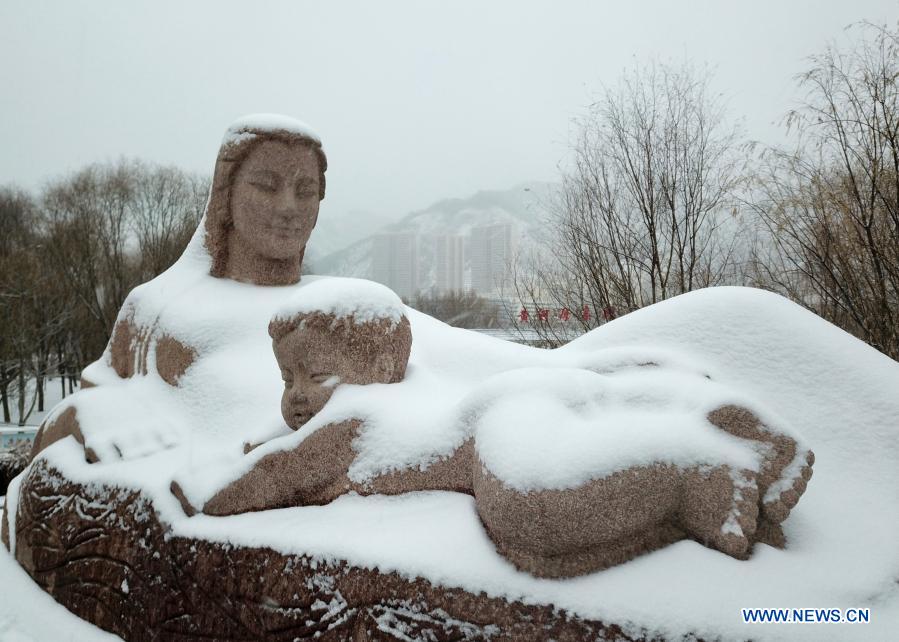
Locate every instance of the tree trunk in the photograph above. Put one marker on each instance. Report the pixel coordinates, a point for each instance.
(21, 392)
(4, 392)
(61, 372)
(39, 382)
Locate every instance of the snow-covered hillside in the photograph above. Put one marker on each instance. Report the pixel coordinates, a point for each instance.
(523, 207)
(335, 231)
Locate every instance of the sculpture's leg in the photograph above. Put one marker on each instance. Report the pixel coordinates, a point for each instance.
(600, 523)
(595, 557)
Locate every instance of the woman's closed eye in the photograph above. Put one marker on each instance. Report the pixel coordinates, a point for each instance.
(264, 186)
(265, 181)
(306, 188)
(306, 192)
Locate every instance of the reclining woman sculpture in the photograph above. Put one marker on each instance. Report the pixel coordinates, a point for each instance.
(322, 342)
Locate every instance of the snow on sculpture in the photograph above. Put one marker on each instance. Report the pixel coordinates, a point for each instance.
(268, 181)
(242, 390)
(573, 479)
(572, 470)
(342, 332)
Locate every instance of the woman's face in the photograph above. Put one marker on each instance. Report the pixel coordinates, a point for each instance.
(275, 198)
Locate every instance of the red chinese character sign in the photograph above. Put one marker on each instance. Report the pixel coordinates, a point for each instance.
(564, 314)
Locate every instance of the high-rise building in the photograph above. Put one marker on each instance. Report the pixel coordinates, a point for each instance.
(450, 262)
(492, 250)
(395, 263)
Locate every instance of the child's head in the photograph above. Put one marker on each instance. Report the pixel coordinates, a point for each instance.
(337, 331)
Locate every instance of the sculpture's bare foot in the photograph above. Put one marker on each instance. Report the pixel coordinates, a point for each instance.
(784, 494)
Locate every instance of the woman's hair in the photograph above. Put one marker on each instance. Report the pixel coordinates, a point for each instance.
(232, 153)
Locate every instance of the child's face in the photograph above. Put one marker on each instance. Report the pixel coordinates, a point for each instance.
(311, 366)
(313, 362)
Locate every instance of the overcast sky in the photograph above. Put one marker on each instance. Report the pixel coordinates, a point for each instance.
(414, 100)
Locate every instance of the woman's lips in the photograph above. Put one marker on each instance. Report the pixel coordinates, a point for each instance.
(284, 231)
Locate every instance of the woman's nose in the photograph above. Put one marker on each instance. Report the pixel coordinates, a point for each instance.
(287, 202)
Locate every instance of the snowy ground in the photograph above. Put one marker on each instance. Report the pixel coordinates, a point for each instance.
(52, 396)
(840, 394)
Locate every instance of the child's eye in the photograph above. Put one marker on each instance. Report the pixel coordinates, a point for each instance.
(326, 380)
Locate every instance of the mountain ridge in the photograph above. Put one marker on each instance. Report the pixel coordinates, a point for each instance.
(522, 206)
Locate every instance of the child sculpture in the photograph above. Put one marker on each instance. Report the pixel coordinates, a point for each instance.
(555, 532)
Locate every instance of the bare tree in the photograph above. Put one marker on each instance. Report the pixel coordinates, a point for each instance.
(28, 321)
(166, 207)
(110, 227)
(647, 209)
(69, 259)
(462, 309)
(87, 240)
(16, 208)
(831, 204)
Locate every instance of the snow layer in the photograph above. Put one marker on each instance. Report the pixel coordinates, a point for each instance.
(799, 373)
(360, 299)
(539, 428)
(244, 127)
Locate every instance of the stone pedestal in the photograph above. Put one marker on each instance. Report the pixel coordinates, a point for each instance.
(104, 554)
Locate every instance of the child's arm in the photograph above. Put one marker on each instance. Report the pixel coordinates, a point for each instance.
(315, 472)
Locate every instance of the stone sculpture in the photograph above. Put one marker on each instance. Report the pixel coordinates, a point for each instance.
(264, 203)
(188, 378)
(268, 181)
(603, 521)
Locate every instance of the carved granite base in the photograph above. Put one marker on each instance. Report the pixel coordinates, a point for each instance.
(103, 553)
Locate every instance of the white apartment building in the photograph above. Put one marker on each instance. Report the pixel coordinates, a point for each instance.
(492, 249)
(449, 255)
(395, 263)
